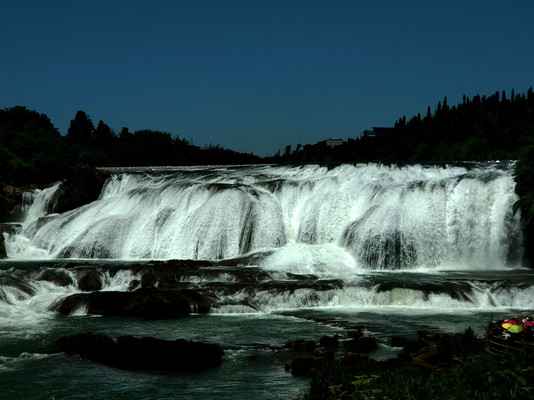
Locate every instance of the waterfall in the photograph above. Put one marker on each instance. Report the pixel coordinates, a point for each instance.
(305, 219)
(35, 203)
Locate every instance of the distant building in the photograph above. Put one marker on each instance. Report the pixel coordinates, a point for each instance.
(376, 131)
(333, 142)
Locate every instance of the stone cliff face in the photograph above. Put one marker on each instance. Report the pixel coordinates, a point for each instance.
(10, 202)
(82, 186)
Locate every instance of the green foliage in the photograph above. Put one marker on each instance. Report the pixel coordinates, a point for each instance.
(472, 374)
(361, 389)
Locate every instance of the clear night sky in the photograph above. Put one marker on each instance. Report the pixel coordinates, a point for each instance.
(257, 75)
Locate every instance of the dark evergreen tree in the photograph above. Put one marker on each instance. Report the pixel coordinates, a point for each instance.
(103, 135)
(81, 130)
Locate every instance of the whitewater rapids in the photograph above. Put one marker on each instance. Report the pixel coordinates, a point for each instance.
(309, 219)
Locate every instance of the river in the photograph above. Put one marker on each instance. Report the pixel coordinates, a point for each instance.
(384, 248)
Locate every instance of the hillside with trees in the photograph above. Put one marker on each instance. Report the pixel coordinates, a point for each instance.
(497, 127)
(32, 151)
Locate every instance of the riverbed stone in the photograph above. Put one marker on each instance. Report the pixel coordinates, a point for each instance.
(59, 277)
(10, 202)
(147, 353)
(90, 281)
(3, 252)
(364, 344)
(145, 302)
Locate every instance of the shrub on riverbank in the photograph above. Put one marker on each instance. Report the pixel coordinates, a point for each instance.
(439, 367)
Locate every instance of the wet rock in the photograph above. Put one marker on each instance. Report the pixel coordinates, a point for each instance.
(309, 355)
(303, 366)
(329, 342)
(355, 333)
(301, 345)
(200, 304)
(399, 341)
(134, 284)
(59, 277)
(150, 354)
(361, 345)
(3, 252)
(148, 303)
(90, 282)
(82, 186)
(168, 275)
(10, 202)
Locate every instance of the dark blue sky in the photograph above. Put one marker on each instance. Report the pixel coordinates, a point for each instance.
(257, 75)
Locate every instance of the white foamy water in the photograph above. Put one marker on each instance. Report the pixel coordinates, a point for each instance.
(381, 217)
(25, 313)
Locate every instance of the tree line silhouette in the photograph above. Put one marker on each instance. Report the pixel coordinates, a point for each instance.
(33, 151)
(497, 127)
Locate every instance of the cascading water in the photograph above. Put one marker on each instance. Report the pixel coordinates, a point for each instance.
(384, 217)
(393, 249)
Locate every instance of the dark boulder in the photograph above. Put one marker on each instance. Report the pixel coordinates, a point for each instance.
(59, 277)
(301, 345)
(399, 341)
(361, 345)
(168, 275)
(10, 202)
(90, 282)
(82, 186)
(304, 366)
(200, 303)
(329, 342)
(150, 354)
(148, 303)
(3, 252)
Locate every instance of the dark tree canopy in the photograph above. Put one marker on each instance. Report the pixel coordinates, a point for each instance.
(31, 148)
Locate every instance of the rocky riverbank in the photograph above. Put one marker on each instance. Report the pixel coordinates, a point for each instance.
(432, 366)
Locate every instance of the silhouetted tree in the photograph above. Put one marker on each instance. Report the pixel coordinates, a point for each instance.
(104, 137)
(81, 130)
